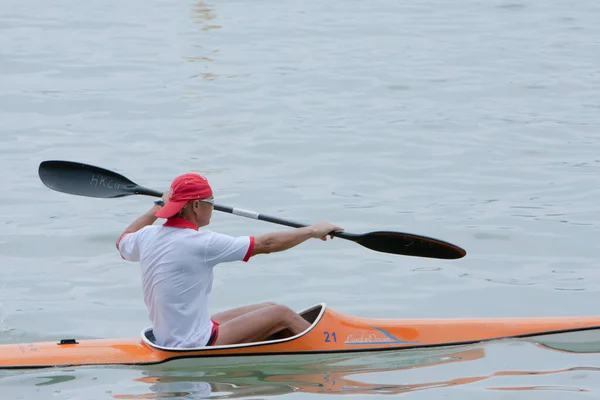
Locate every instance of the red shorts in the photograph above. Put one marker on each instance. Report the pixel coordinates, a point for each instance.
(214, 334)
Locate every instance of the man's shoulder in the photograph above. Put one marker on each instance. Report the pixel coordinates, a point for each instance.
(215, 238)
(207, 234)
(201, 234)
(150, 229)
(213, 234)
(147, 231)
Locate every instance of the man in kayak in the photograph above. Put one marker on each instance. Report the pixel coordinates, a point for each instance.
(177, 261)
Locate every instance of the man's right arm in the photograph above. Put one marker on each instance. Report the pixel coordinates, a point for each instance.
(280, 241)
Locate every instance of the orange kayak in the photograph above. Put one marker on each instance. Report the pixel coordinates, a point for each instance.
(330, 333)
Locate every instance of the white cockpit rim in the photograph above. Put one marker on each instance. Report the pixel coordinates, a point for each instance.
(312, 314)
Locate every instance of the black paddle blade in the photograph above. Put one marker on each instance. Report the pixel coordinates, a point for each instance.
(88, 180)
(408, 245)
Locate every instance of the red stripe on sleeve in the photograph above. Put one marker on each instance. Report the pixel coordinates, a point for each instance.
(250, 249)
(119, 242)
(121, 238)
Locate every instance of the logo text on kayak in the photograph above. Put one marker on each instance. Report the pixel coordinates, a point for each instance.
(376, 336)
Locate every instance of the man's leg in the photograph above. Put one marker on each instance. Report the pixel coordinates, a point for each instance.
(228, 315)
(258, 325)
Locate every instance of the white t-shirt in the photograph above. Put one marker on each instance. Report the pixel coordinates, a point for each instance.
(177, 264)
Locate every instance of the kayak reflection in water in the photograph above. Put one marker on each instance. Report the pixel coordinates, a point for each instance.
(177, 261)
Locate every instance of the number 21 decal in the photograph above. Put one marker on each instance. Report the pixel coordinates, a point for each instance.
(330, 337)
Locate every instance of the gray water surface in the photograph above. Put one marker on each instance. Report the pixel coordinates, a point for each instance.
(475, 122)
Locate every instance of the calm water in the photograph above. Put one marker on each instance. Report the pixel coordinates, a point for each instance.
(475, 122)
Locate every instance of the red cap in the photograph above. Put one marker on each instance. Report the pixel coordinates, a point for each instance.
(184, 188)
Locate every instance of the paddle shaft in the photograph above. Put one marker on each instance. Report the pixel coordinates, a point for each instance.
(243, 213)
(91, 181)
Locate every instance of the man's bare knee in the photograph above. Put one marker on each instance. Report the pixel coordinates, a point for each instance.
(284, 312)
(268, 304)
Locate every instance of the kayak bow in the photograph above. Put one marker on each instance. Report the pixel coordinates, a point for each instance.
(330, 332)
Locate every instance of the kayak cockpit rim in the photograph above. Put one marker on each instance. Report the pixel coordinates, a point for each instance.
(312, 314)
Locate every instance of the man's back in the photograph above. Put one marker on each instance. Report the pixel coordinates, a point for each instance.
(177, 275)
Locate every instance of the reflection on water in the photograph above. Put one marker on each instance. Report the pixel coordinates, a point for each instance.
(544, 388)
(257, 383)
(204, 15)
(324, 377)
(53, 380)
(327, 375)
